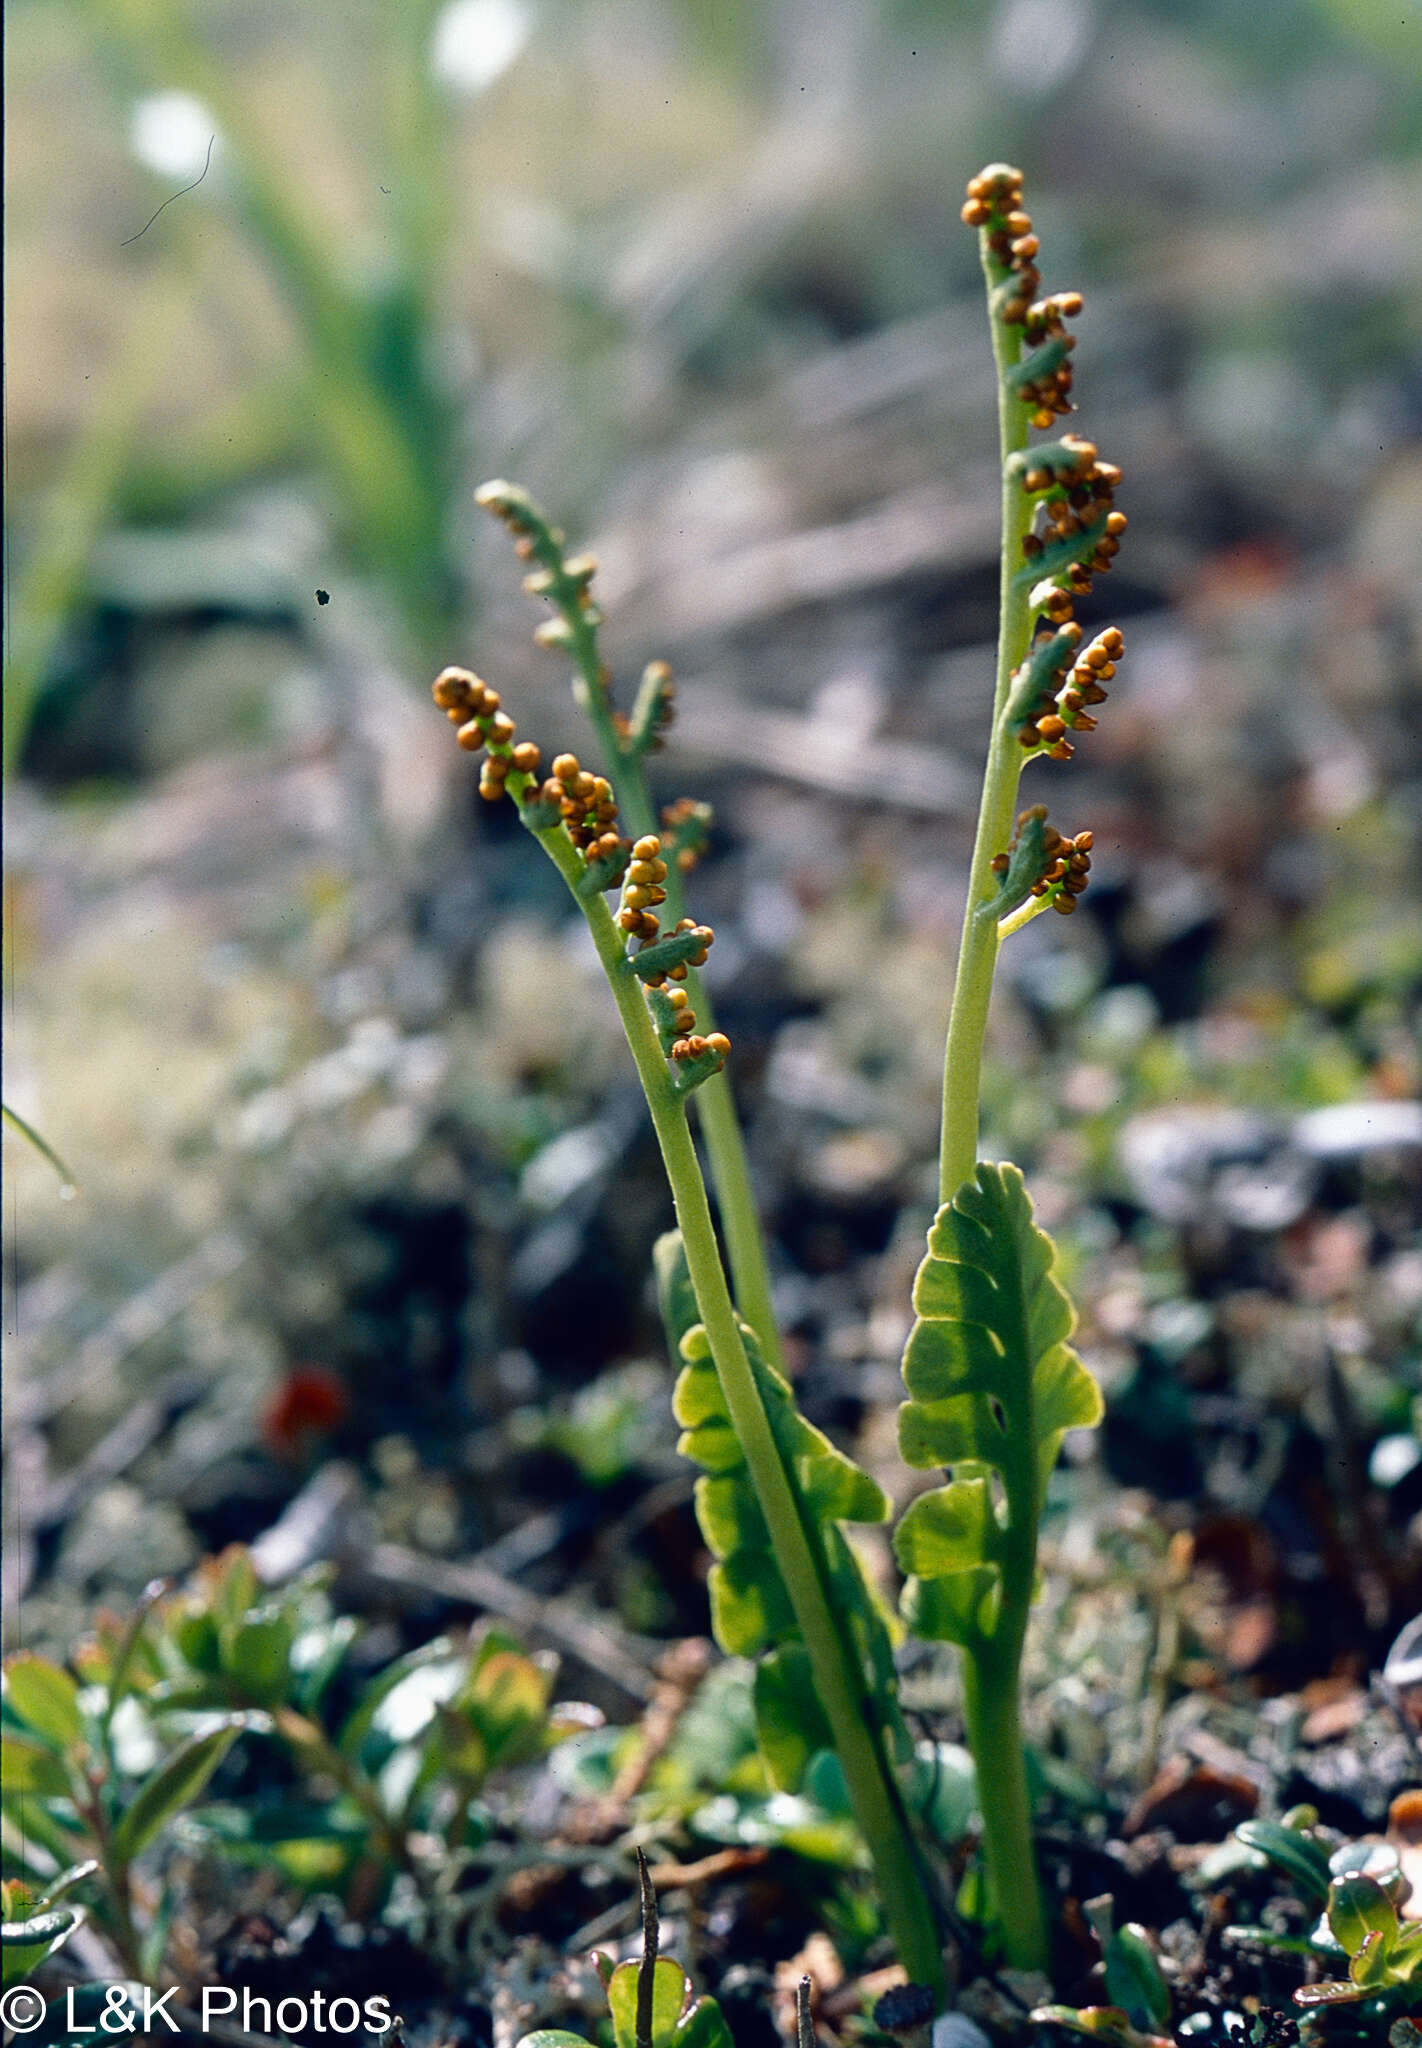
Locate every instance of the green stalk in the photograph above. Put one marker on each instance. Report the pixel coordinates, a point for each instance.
(991, 1665)
(873, 1790)
(977, 953)
(990, 1701)
(716, 1105)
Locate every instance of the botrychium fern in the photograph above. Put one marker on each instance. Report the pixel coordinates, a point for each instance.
(783, 1574)
(993, 1384)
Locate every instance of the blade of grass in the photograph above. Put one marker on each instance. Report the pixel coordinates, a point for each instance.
(81, 501)
(68, 1184)
(355, 421)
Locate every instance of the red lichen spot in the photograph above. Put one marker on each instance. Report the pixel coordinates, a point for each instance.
(310, 1402)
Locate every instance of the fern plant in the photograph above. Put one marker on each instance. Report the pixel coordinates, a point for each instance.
(992, 1382)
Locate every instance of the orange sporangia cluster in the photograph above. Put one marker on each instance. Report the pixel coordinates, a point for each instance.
(652, 714)
(531, 531)
(685, 1042)
(565, 581)
(588, 808)
(995, 204)
(477, 711)
(1080, 533)
(1059, 706)
(1076, 530)
(686, 825)
(643, 887)
(1043, 378)
(1068, 861)
(1095, 665)
(584, 802)
(1070, 866)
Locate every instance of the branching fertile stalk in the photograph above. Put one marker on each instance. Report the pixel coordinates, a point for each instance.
(565, 582)
(574, 816)
(978, 1564)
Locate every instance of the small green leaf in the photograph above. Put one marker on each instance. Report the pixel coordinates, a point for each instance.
(41, 1144)
(553, 2037)
(934, 1371)
(236, 1590)
(27, 1767)
(1290, 1850)
(945, 1789)
(45, 1697)
(750, 1608)
(67, 1879)
(714, 1446)
(459, 1746)
(675, 1291)
(43, 1928)
(318, 1655)
(833, 1486)
(358, 1723)
(1038, 362)
(507, 1698)
(1333, 1991)
(1368, 1967)
(950, 1530)
(730, 1515)
(990, 1377)
(674, 950)
(258, 1656)
(1133, 1977)
(947, 1290)
(1098, 2023)
(194, 1636)
(174, 1785)
(1064, 1396)
(670, 1992)
(24, 1944)
(1358, 1907)
(960, 1609)
(703, 2026)
(1027, 855)
(790, 1723)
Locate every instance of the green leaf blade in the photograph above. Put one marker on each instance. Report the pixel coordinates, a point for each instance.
(670, 1992)
(993, 1388)
(46, 1697)
(174, 1785)
(791, 1727)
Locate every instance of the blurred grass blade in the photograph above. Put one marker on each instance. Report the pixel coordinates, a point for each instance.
(68, 1185)
(369, 405)
(80, 505)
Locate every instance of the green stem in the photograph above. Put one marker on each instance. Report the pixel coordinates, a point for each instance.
(991, 1664)
(122, 1930)
(873, 1791)
(991, 1709)
(316, 1752)
(715, 1103)
(977, 954)
(1023, 915)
